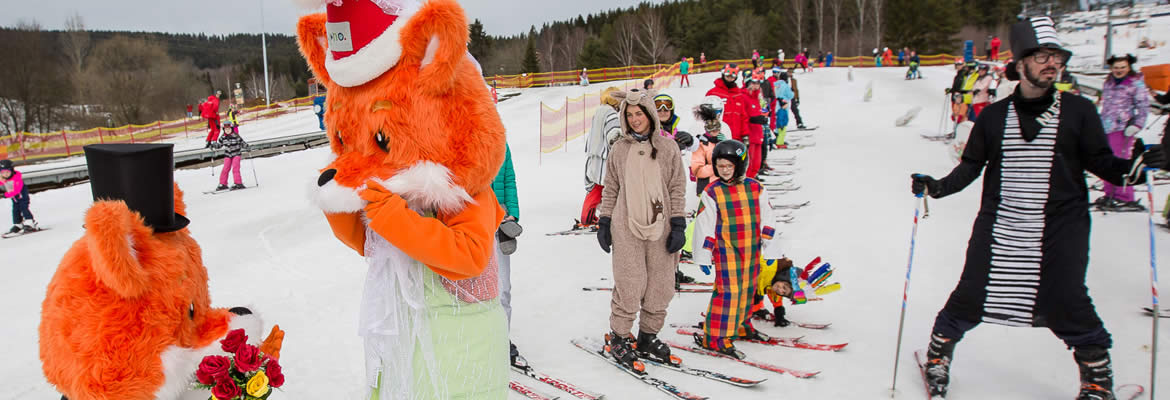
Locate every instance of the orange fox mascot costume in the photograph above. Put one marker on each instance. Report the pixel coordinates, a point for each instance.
(417, 142)
(127, 315)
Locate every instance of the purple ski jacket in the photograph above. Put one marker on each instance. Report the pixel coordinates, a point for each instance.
(1124, 104)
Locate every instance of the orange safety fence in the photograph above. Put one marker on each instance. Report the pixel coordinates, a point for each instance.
(28, 147)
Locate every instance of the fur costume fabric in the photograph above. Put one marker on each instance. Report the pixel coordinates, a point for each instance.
(415, 149)
(127, 314)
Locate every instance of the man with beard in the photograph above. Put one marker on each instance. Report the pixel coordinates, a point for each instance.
(1029, 249)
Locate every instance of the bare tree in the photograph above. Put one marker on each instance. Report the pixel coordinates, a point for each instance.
(835, 6)
(32, 94)
(859, 27)
(572, 42)
(137, 81)
(75, 44)
(877, 21)
(745, 31)
(546, 45)
(654, 40)
(625, 42)
(796, 17)
(820, 5)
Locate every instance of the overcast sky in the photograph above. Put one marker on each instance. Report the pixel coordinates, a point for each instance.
(500, 17)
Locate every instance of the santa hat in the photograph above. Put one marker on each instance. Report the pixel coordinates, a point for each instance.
(363, 36)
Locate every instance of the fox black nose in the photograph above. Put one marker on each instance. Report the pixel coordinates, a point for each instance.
(326, 177)
(240, 311)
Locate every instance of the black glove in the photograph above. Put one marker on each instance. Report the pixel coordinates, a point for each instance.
(1152, 157)
(677, 237)
(684, 140)
(947, 90)
(991, 92)
(920, 183)
(758, 120)
(603, 236)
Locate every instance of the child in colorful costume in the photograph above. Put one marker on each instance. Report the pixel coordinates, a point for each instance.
(735, 226)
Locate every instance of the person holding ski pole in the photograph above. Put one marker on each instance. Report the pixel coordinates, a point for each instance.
(1029, 249)
(234, 146)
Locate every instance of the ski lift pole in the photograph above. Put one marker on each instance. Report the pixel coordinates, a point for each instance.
(1153, 285)
(906, 291)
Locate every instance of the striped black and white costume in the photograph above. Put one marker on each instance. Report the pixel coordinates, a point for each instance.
(1029, 247)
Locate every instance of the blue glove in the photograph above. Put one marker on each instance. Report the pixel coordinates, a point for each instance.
(706, 269)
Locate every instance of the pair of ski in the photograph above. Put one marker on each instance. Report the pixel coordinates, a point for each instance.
(595, 348)
(939, 138)
(575, 232)
(792, 342)
(221, 191)
(679, 290)
(22, 232)
(791, 206)
(551, 381)
(1124, 392)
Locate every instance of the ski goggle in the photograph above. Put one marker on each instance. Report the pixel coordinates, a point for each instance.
(664, 105)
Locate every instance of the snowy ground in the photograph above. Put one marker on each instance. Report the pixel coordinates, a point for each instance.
(1088, 46)
(860, 221)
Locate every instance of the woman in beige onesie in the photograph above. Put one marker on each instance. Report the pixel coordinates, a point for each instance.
(641, 217)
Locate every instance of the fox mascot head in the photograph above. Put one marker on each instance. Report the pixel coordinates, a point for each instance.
(127, 314)
(407, 106)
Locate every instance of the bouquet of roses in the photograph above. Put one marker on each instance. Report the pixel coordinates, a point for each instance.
(249, 373)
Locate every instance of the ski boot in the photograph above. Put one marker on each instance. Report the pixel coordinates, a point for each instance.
(649, 347)
(238, 186)
(15, 229)
(938, 365)
(1096, 373)
(518, 361)
(680, 277)
(30, 225)
(1100, 202)
(221, 187)
(749, 332)
(779, 320)
(721, 346)
(620, 347)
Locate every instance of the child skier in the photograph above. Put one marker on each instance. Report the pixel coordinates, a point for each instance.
(233, 145)
(12, 187)
(735, 228)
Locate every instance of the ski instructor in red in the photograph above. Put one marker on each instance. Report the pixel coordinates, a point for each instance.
(1029, 248)
(209, 110)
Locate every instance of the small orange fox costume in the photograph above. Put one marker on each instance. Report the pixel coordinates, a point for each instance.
(127, 315)
(417, 142)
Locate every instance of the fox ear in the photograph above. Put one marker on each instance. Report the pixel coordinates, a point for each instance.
(311, 37)
(116, 237)
(441, 28)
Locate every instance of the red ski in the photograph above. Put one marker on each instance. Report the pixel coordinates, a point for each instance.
(768, 367)
(528, 392)
(793, 342)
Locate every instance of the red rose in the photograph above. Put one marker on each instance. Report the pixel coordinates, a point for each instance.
(248, 358)
(213, 369)
(234, 339)
(275, 375)
(226, 390)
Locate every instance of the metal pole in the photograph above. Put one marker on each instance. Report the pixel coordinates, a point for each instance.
(264, 45)
(1109, 44)
(905, 291)
(1153, 286)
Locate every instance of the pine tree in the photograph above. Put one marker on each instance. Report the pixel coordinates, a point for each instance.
(479, 43)
(531, 62)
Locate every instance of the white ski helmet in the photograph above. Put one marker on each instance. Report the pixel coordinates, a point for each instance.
(715, 102)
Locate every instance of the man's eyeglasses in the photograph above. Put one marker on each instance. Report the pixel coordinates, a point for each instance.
(1043, 57)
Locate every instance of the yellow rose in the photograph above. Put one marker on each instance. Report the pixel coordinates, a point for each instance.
(258, 385)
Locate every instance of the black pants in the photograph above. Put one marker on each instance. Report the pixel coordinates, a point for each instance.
(796, 112)
(951, 327)
(20, 210)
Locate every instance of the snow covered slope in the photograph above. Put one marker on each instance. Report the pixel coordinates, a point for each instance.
(857, 177)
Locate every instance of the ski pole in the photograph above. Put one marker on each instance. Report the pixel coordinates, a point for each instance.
(254, 177)
(905, 292)
(1153, 284)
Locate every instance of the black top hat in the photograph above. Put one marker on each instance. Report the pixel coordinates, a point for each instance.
(142, 175)
(1030, 35)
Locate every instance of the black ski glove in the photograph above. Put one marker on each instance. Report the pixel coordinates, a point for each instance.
(684, 140)
(603, 236)
(758, 120)
(1153, 157)
(920, 183)
(677, 238)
